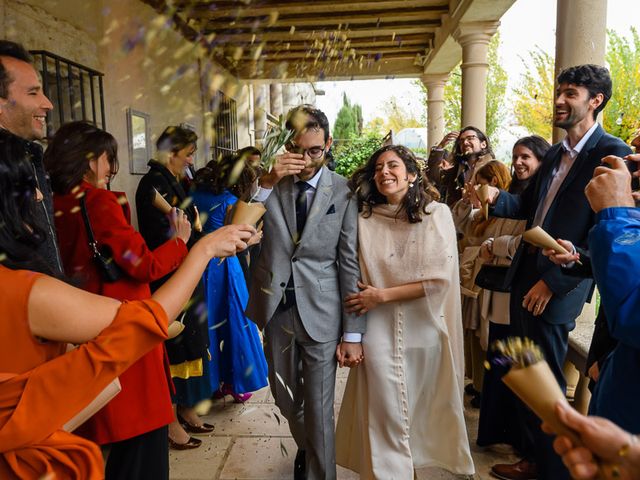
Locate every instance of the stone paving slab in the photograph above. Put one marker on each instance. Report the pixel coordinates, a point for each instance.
(200, 463)
(249, 444)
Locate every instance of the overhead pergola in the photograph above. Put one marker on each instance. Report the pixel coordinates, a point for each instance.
(311, 40)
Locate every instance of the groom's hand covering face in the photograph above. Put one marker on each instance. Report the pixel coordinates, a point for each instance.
(311, 145)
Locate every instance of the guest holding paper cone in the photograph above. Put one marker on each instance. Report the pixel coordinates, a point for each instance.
(237, 366)
(498, 423)
(544, 301)
(614, 253)
(81, 160)
(188, 353)
(41, 386)
(604, 450)
(476, 230)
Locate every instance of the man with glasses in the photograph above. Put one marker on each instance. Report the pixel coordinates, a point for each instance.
(307, 264)
(471, 150)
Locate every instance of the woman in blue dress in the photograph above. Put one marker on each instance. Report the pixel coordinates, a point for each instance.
(238, 365)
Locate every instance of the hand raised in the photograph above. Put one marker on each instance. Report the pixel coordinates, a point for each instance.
(610, 186)
(180, 224)
(228, 240)
(448, 138)
(286, 164)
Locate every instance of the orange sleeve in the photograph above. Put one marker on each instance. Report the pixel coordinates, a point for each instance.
(36, 404)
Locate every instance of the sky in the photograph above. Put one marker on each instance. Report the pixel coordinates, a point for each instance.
(527, 24)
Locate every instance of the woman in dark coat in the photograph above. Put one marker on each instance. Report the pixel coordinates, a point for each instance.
(188, 352)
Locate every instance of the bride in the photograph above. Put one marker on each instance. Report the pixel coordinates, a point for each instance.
(403, 408)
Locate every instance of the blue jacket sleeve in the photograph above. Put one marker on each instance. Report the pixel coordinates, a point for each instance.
(614, 244)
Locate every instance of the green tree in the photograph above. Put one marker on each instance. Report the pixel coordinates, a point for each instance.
(348, 121)
(397, 117)
(534, 97)
(351, 154)
(622, 114)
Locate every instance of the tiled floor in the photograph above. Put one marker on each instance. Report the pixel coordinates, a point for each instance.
(252, 441)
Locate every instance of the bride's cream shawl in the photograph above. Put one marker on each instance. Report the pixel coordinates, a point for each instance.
(395, 252)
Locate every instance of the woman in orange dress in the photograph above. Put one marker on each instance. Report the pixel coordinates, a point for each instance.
(41, 387)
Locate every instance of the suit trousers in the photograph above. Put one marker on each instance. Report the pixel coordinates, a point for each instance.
(302, 375)
(553, 339)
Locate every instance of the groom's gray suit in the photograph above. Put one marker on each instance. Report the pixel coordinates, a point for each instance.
(301, 339)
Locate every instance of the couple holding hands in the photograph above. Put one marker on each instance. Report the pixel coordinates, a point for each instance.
(364, 271)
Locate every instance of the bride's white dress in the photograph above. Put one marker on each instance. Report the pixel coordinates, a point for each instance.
(403, 407)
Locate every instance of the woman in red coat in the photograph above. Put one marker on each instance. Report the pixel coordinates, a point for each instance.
(81, 159)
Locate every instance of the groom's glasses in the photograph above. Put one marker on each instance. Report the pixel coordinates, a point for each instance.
(314, 153)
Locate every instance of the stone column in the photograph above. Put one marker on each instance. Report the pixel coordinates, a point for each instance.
(260, 109)
(275, 91)
(474, 38)
(581, 36)
(435, 106)
(290, 97)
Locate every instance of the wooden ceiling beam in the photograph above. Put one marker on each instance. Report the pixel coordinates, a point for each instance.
(301, 35)
(216, 9)
(278, 71)
(316, 30)
(405, 15)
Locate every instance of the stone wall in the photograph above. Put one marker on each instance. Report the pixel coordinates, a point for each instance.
(148, 67)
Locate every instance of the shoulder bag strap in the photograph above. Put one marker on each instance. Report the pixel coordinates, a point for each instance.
(87, 224)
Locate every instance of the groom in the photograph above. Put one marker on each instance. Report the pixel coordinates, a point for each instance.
(306, 266)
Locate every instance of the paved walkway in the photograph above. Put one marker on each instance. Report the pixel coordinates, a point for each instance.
(252, 442)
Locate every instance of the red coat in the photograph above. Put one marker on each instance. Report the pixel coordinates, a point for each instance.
(144, 404)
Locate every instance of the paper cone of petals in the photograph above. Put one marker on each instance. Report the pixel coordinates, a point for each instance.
(537, 387)
(537, 237)
(160, 203)
(175, 329)
(247, 213)
(483, 195)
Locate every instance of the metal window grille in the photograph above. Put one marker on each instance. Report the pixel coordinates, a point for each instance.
(76, 91)
(225, 125)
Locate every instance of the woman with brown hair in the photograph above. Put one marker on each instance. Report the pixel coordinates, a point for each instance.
(402, 409)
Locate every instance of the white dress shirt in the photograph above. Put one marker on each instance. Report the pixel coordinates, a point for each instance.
(558, 175)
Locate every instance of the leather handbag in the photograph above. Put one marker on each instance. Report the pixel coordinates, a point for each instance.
(493, 277)
(109, 270)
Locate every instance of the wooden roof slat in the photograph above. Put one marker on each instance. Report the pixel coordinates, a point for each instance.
(330, 18)
(216, 9)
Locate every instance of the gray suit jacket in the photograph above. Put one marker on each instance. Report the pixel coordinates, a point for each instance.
(324, 262)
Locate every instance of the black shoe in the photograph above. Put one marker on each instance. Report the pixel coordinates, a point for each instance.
(469, 390)
(300, 466)
(476, 401)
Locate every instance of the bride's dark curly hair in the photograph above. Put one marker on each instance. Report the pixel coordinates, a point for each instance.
(420, 194)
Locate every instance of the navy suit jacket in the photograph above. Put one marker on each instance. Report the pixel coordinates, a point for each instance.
(569, 217)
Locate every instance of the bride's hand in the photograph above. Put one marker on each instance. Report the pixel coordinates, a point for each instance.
(367, 299)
